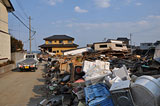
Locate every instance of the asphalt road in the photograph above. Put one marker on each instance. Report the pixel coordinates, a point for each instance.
(22, 88)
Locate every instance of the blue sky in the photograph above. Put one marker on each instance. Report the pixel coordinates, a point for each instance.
(87, 21)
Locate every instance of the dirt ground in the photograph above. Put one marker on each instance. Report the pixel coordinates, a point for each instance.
(22, 88)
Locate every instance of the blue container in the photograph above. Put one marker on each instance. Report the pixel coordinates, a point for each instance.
(98, 95)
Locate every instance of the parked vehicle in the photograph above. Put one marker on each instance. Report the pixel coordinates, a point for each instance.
(29, 63)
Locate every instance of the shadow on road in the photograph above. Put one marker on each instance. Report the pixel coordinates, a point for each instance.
(18, 70)
(39, 90)
(15, 70)
(41, 80)
(40, 95)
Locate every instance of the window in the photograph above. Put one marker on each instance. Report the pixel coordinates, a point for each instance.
(50, 49)
(119, 45)
(61, 41)
(54, 51)
(57, 51)
(49, 42)
(103, 46)
(69, 41)
(55, 41)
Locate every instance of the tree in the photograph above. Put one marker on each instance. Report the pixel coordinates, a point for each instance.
(16, 45)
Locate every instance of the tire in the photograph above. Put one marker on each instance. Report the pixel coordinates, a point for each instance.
(34, 70)
(20, 70)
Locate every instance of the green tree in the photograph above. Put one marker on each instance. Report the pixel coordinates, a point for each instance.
(16, 45)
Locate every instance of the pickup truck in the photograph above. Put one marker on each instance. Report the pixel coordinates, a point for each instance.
(29, 63)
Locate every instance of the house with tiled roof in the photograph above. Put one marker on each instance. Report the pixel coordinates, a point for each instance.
(58, 43)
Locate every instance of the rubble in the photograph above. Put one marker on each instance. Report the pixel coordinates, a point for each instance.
(104, 78)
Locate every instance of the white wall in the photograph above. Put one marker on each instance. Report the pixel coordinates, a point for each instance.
(5, 45)
(17, 56)
(77, 51)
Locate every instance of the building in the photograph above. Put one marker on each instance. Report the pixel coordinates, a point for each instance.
(157, 43)
(58, 43)
(5, 45)
(125, 40)
(146, 46)
(111, 44)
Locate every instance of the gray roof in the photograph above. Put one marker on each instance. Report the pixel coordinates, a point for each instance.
(59, 37)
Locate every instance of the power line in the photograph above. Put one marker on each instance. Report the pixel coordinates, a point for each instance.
(26, 27)
(19, 14)
(15, 30)
(20, 5)
(21, 21)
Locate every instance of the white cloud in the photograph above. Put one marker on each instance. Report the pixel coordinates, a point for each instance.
(53, 2)
(129, 1)
(142, 30)
(133, 26)
(138, 4)
(143, 22)
(102, 3)
(153, 17)
(63, 21)
(79, 10)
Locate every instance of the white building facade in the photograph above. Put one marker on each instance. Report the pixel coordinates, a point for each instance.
(5, 39)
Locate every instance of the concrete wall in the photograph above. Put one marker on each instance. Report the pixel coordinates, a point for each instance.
(5, 45)
(17, 56)
(3, 61)
(7, 68)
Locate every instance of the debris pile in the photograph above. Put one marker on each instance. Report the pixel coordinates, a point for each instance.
(102, 80)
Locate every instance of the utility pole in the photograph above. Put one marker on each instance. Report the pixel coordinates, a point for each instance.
(131, 42)
(30, 49)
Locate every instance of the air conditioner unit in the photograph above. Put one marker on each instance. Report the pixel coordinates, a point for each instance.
(121, 94)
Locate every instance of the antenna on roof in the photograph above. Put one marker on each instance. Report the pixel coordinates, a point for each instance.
(105, 39)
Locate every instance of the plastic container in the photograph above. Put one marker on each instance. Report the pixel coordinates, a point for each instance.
(98, 95)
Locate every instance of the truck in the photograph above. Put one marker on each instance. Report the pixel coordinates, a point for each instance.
(29, 63)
